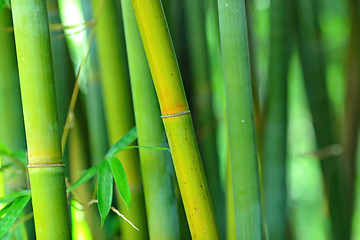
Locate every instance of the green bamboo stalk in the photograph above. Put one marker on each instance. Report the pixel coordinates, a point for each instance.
(12, 132)
(275, 126)
(46, 170)
(157, 170)
(352, 112)
(217, 86)
(311, 54)
(79, 160)
(243, 154)
(177, 119)
(119, 108)
(230, 206)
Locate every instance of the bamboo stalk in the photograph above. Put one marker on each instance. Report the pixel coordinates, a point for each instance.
(157, 170)
(46, 170)
(242, 143)
(118, 108)
(352, 113)
(12, 132)
(311, 53)
(176, 118)
(275, 125)
(204, 120)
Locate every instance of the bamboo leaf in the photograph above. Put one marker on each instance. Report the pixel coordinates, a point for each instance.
(5, 209)
(13, 196)
(122, 184)
(87, 175)
(105, 190)
(12, 213)
(123, 142)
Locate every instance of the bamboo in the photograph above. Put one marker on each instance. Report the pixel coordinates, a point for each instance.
(177, 119)
(118, 108)
(275, 124)
(157, 170)
(204, 120)
(352, 114)
(46, 170)
(242, 143)
(311, 53)
(12, 132)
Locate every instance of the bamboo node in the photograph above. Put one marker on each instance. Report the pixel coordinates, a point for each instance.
(46, 165)
(176, 114)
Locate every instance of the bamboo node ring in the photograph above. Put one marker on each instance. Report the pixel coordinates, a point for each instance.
(176, 114)
(46, 165)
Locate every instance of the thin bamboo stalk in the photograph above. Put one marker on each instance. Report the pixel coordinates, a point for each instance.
(177, 119)
(204, 119)
(119, 108)
(352, 113)
(157, 170)
(242, 143)
(46, 170)
(311, 53)
(12, 132)
(275, 126)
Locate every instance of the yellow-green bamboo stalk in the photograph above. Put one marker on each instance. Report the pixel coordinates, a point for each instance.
(45, 166)
(177, 119)
(118, 108)
(156, 166)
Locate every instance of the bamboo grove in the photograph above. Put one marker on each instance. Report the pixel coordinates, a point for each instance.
(179, 119)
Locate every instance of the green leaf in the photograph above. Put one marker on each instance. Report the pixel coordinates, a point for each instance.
(87, 175)
(13, 196)
(121, 181)
(5, 209)
(123, 142)
(12, 213)
(21, 156)
(105, 190)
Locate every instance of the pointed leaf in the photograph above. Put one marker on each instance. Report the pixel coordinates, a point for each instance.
(121, 181)
(13, 196)
(12, 213)
(123, 142)
(5, 209)
(105, 190)
(87, 175)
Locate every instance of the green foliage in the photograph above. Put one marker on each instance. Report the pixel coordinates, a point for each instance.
(12, 211)
(13, 196)
(87, 175)
(122, 184)
(105, 189)
(122, 143)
